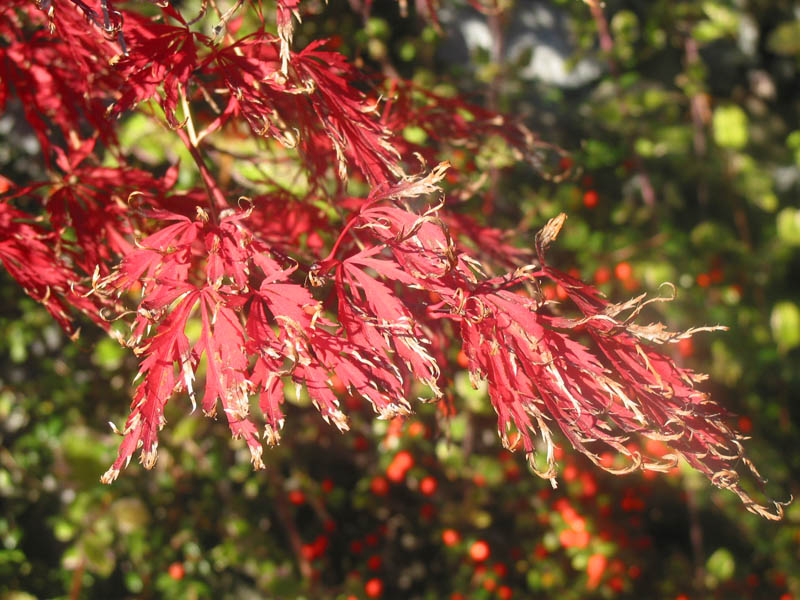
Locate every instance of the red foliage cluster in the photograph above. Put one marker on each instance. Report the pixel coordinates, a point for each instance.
(369, 304)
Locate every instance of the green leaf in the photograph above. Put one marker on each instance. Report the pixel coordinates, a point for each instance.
(785, 39)
(108, 354)
(785, 324)
(721, 564)
(730, 127)
(789, 226)
(130, 514)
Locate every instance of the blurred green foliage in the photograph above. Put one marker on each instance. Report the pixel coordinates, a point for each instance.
(688, 139)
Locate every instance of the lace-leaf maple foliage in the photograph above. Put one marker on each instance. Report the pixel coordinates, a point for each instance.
(365, 293)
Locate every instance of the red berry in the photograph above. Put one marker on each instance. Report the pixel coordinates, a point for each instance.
(479, 551)
(704, 280)
(462, 359)
(374, 588)
(374, 562)
(428, 486)
(565, 164)
(379, 486)
(686, 347)
(450, 537)
(176, 571)
(745, 424)
(403, 459)
(395, 473)
(602, 275)
(337, 385)
(327, 486)
(297, 497)
(590, 198)
(504, 592)
(595, 567)
(616, 584)
(308, 551)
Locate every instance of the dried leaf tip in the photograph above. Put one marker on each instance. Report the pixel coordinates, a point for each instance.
(548, 234)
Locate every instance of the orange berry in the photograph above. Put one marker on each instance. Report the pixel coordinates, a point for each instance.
(450, 537)
(623, 271)
(462, 359)
(416, 429)
(403, 459)
(602, 275)
(395, 472)
(337, 385)
(176, 571)
(582, 539)
(374, 588)
(489, 584)
(595, 567)
(704, 280)
(428, 486)
(479, 551)
(686, 347)
(567, 538)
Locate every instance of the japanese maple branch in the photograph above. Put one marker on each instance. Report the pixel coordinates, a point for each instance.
(606, 41)
(216, 197)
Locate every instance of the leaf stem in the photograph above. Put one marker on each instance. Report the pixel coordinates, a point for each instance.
(216, 197)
